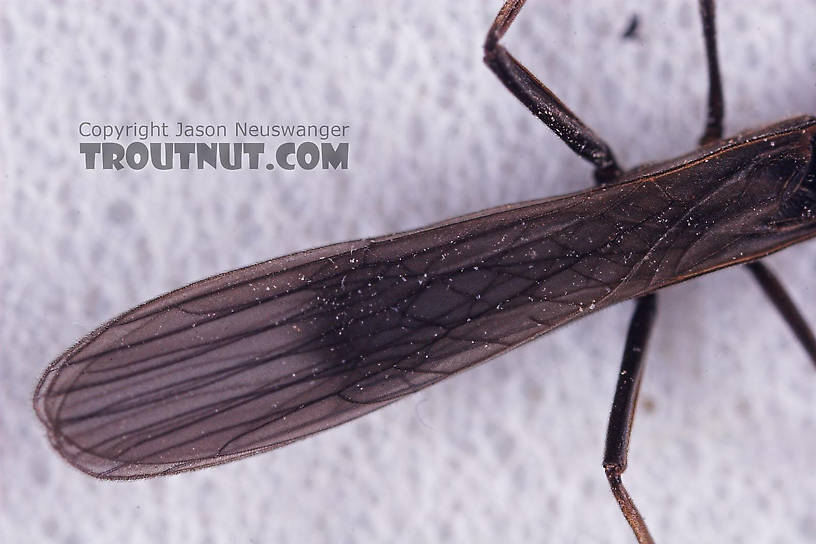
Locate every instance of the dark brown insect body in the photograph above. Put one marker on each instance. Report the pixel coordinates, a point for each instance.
(253, 359)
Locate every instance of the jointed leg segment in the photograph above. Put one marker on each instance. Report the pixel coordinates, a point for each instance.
(714, 131)
(623, 411)
(588, 145)
(716, 104)
(783, 302)
(584, 142)
(542, 102)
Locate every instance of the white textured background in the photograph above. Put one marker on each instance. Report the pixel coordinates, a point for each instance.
(725, 439)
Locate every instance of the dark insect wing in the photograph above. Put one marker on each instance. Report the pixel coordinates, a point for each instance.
(255, 358)
(258, 357)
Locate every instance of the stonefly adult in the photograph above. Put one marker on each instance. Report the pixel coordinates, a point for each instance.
(253, 359)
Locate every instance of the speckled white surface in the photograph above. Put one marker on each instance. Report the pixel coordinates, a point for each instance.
(511, 451)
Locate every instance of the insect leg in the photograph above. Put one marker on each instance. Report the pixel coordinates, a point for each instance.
(623, 411)
(783, 302)
(716, 105)
(542, 102)
(713, 131)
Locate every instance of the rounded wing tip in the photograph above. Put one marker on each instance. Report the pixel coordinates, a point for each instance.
(46, 403)
(43, 402)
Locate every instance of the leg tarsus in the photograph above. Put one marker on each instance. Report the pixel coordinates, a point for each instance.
(503, 20)
(627, 506)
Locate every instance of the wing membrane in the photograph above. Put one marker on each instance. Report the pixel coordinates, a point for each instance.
(255, 358)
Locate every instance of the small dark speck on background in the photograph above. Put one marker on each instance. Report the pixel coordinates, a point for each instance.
(631, 32)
